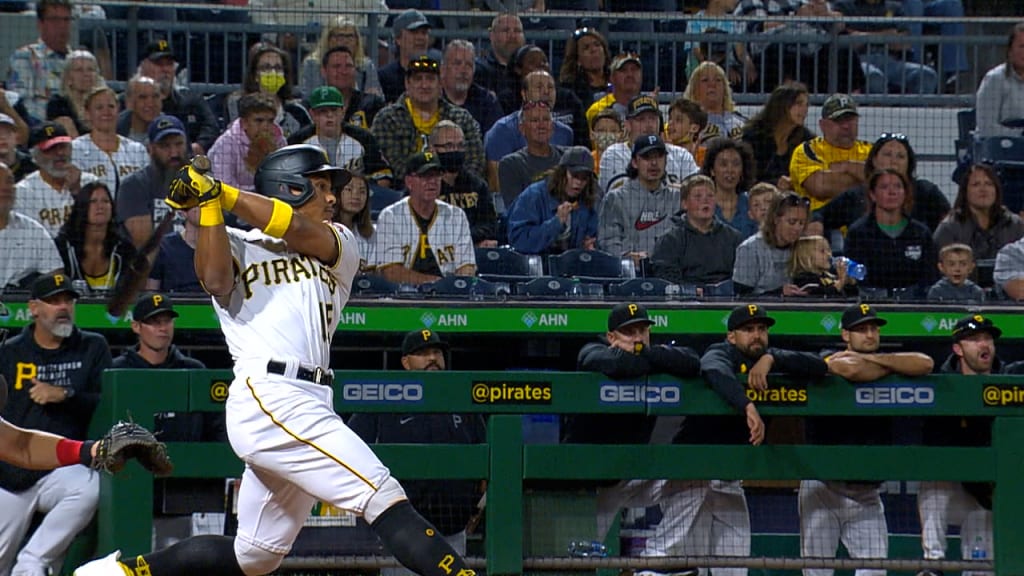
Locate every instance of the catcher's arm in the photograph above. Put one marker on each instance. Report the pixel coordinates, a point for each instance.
(35, 450)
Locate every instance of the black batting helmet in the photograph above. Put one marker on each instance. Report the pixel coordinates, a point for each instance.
(283, 173)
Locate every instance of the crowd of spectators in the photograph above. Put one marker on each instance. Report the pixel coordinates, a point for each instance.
(497, 138)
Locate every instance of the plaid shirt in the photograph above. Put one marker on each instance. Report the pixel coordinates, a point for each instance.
(35, 73)
(399, 140)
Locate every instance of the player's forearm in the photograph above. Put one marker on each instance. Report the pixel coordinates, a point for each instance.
(213, 263)
(302, 234)
(28, 449)
(857, 369)
(905, 363)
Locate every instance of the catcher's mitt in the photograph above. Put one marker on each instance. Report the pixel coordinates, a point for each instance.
(128, 440)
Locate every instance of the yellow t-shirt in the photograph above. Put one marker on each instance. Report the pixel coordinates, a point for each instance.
(817, 154)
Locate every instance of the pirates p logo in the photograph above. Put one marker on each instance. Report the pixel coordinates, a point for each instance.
(426, 335)
(58, 279)
(157, 299)
(864, 309)
(632, 309)
(752, 309)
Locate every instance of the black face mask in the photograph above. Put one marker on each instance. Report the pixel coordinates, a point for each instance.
(452, 161)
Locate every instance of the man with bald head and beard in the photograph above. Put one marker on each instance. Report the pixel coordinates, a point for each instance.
(447, 504)
(53, 372)
(968, 505)
(140, 201)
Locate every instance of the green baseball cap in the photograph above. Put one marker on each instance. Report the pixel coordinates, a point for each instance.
(326, 96)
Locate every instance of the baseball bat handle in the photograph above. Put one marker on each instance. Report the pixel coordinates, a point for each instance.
(201, 164)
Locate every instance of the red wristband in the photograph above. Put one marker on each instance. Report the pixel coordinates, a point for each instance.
(68, 452)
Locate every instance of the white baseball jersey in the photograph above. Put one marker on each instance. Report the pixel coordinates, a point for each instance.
(398, 237)
(367, 249)
(615, 160)
(129, 157)
(348, 153)
(28, 248)
(284, 306)
(45, 204)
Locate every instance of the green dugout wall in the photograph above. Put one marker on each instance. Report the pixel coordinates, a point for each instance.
(125, 518)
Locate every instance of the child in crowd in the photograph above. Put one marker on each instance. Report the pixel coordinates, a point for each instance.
(606, 129)
(810, 268)
(759, 198)
(956, 262)
(686, 121)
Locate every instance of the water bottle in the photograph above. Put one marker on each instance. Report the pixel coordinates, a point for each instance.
(978, 551)
(576, 292)
(587, 549)
(854, 269)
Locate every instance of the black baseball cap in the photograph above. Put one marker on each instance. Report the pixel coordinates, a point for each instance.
(970, 325)
(419, 339)
(857, 314)
(48, 134)
(747, 314)
(640, 104)
(157, 49)
(165, 125)
(423, 163)
(151, 304)
(52, 284)
(645, 144)
(626, 314)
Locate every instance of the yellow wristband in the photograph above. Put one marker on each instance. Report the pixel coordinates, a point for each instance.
(280, 219)
(210, 214)
(228, 196)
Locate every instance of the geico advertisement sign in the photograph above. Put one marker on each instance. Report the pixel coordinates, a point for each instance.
(895, 395)
(639, 394)
(382, 392)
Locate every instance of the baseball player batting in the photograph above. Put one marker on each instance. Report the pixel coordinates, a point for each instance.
(278, 291)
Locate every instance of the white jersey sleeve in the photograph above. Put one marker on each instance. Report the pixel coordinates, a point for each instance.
(614, 162)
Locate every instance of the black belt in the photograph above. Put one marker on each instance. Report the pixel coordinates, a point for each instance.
(316, 375)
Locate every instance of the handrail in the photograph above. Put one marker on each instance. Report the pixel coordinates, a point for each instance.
(125, 517)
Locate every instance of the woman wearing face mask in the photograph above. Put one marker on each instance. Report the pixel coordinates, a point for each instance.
(605, 130)
(762, 260)
(269, 71)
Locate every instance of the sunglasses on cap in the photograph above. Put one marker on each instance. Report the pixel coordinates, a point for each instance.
(585, 31)
(424, 65)
(794, 200)
(886, 136)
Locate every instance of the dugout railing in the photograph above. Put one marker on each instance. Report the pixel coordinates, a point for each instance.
(125, 516)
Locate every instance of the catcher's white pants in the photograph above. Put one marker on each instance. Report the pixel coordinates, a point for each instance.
(834, 511)
(68, 498)
(941, 504)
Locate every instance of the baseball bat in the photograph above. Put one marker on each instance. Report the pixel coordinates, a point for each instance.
(134, 278)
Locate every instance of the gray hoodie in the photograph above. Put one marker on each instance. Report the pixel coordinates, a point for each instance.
(632, 218)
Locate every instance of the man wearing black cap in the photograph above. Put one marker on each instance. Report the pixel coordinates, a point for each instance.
(558, 213)
(153, 322)
(447, 504)
(745, 351)
(410, 31)
(158, 62)
(53, 372)
(400, 136)
(140, 200)
(635, 214)
(852, 511)
(824, 167)
(47, 194)
(968, 505)
(643, 118)
(420, 238)
(624, 353)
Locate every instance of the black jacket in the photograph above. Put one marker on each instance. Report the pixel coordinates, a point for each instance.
(130, 358)
(678, 361)
(907, 261)
(687, 255)
(930, 206)
(472, 194)
(447, 504)
(719, 367)
(193, 111)
(77, 364)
